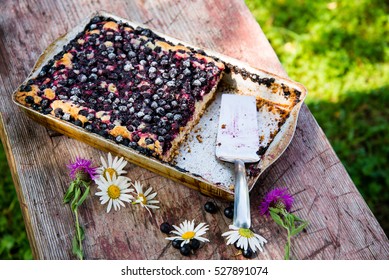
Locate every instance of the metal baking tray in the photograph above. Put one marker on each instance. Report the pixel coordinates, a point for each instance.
(278, 102)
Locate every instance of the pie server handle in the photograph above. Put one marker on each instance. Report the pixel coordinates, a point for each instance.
(242, 217)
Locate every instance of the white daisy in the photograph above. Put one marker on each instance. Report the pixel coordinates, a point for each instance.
(114, 190)
(245, 238)
(187, 232)
(112, 166)
(145, 199)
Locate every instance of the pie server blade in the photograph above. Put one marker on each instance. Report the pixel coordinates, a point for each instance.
(238, 143)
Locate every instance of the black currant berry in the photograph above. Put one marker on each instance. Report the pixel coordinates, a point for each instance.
(248, 254)
(210, 207)
(29, 99)
(165, 227)
(194, 244)
(229, 212)
(176, 243)
(185, 250)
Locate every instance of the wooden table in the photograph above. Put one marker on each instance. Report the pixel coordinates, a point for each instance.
(341, 224)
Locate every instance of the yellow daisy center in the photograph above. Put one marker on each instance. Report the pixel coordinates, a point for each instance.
(188, 235)
(110, 172)
(141, 198)
(113, 191)
(245, 232)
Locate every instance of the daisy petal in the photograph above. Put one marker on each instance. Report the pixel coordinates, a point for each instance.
(151, 196)
(103, 162)
(253, 243)
(146, 193)
(199, 226)
(109, 206)
(229, 233)
(178, 229)
(104, 199)
(110, 162)
(240, 243)
(176, 232)
(234, 238)
(243, 241)
(199, 238)
(153, 201)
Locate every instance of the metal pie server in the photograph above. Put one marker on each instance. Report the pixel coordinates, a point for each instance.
(238, 143)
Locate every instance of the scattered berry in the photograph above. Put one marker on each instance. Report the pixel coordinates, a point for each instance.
(185, 250)
(229, 212)
(194, 244)
(248, 254)
(176, 243)
(165, 227)
(210, 207)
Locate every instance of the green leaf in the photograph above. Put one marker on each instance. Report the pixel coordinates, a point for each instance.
(299, 229)
(86, 184)
(75, 199)
(298, 219)
(76, 249)
(275, 210)
(290, 219)
(277, 219)
(82, 233)
(69, 193)
(84, 196)
(74, 243)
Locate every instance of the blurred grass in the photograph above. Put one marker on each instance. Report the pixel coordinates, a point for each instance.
(14, 244)
(339, 51)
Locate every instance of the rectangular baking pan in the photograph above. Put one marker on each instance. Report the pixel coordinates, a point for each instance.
(278, 102)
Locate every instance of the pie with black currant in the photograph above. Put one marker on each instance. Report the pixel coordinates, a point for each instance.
(127, 85)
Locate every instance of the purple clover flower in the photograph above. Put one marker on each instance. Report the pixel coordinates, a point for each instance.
(82, 169)
(277, 198)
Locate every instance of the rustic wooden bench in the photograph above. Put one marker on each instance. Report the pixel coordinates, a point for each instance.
(341, 224)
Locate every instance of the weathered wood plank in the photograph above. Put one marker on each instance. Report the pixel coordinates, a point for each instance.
(341, 224)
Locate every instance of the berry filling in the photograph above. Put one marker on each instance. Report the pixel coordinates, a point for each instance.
(128, 85)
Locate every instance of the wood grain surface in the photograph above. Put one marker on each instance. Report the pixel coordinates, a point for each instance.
(341, 224)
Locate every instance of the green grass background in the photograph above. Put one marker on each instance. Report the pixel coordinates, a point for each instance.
(339, 51)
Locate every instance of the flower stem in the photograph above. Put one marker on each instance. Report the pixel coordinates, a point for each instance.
(287, 247)
(76, 196)
(288, 221)
(288, 226)
(78, 233)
